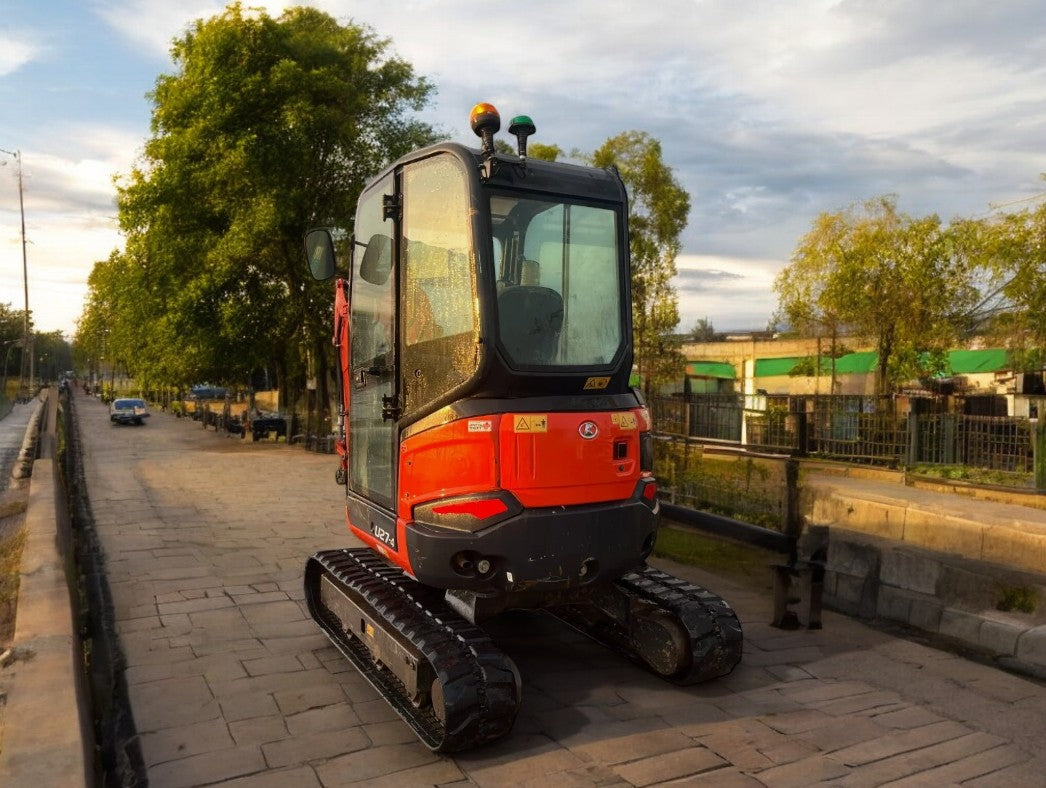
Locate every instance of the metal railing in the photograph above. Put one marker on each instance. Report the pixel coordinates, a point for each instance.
(857, 429)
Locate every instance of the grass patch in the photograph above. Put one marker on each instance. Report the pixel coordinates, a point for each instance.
(12, 507)
(1018, 599)
(10, 563)
(741, 563)
(962, 473)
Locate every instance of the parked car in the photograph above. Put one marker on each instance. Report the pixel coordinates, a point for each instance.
(127, 410)
(264, 424)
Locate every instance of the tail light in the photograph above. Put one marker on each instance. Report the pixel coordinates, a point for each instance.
(469, 513)
(646, 492)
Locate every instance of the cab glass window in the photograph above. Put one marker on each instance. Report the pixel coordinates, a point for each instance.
(559, 282)
(440, 320)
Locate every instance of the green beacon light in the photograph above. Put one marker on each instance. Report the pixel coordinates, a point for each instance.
(522, 127)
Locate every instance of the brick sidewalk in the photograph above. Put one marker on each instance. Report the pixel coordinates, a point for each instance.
(229, 679)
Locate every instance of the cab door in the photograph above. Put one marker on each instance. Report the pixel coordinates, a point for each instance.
(373, 361)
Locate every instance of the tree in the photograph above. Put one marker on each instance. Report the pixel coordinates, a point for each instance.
(539, 150)
(903, 282)
(12, 326)
(1014, 248)
(658, 208)
(806, 304)
(268, 126)
(703, 331)
(535, 150)
(53, 355)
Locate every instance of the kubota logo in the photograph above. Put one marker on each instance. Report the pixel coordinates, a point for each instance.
(588, 430)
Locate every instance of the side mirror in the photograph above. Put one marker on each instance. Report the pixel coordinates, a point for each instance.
(319, 249)
(377, 260)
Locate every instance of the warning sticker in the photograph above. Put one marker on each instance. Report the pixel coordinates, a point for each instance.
(597, 383)
(483, 425)
(530, 422)
(626, 421)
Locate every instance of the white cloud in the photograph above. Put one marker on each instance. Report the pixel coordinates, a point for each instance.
(735, 293)
(70, 218)
(151, 25)
(16, 49)
(768, 112)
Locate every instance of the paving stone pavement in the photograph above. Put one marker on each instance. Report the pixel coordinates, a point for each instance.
(231, 682)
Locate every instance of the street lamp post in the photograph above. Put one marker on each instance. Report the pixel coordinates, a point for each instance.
(27, 355)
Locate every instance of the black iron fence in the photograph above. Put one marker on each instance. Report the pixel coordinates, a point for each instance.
(857, 429)
(995, 442)
(711, 417)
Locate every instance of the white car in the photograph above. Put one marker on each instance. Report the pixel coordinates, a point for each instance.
(128, 411)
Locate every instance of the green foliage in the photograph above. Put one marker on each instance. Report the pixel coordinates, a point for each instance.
(539, 150)
(52, 355)
(12, 327)
(658, 211)
(907, 283)
(268, 126)
(807, 366)
(1014, 248)
(746, 489)
(703, 331)
(965, 473)
(1019, 599)
(12, 323)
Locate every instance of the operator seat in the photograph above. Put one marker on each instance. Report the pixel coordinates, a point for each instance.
(530, 319)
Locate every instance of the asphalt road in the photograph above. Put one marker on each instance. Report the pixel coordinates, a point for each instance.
(230, 682)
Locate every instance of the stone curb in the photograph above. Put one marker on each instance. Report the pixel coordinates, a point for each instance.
(46, 734)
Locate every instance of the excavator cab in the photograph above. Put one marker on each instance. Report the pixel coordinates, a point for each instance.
(491, 447)
(485, 356)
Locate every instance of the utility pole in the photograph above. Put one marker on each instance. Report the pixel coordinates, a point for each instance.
(27, 350)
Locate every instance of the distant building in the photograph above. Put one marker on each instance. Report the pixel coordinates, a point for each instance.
(756, 368)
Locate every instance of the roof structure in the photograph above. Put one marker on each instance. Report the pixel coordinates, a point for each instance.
(711, 369)
(960, 362)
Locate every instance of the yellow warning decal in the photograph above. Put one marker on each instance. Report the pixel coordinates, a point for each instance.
(597, 383)
(530, 422)
(368, 630)
(626, 421)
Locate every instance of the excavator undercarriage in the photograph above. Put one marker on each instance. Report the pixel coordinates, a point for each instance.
(452, 684)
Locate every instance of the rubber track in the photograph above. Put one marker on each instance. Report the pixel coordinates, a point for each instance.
(714, 629)
(481, 685)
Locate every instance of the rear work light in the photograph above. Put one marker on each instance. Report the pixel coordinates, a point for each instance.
(469, 513)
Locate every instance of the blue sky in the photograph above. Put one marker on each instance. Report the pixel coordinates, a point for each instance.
(768, 112)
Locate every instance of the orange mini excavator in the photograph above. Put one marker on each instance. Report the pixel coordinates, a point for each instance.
(493, 453)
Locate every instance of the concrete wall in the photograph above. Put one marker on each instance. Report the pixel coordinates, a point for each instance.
(938, 593)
